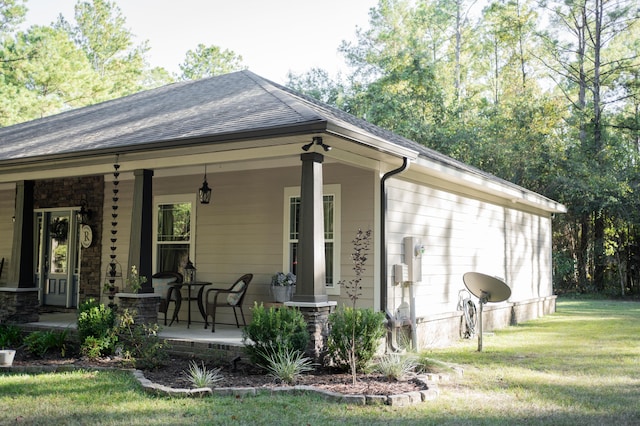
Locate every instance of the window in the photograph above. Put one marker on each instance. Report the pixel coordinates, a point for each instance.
(331, 206)
(173, 224)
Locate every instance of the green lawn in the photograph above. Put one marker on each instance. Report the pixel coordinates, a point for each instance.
(578, 366)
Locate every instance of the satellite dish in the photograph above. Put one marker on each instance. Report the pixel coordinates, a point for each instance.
(487, 289)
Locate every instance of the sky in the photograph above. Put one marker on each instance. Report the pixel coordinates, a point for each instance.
(272, 36)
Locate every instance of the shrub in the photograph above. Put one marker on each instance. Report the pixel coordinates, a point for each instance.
(41, 342)
(96, 329)
(354, 337)
(10, 336)
(272, 330)
(140, 343)
(94, 347)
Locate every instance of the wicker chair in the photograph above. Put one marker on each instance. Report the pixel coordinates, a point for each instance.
(233, 298)
(162, 283)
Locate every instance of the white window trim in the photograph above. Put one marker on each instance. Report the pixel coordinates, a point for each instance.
(333, 189)
(174, 199)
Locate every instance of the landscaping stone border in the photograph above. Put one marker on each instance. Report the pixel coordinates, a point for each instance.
(400, 400)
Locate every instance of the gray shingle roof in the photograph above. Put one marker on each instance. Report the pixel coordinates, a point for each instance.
(239, 102)
(215, 108)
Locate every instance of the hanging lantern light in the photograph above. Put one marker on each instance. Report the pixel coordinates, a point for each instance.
(204, 192)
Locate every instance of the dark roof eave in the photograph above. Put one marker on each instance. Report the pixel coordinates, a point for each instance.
(310, 127)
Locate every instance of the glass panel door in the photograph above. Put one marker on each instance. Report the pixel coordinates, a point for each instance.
(58, 257)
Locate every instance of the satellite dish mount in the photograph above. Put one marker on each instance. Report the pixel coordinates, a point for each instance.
(487, 289)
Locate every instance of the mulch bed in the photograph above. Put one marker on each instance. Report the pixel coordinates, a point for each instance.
(173, 374)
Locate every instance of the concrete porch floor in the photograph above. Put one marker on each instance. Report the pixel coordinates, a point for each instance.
(194, 340)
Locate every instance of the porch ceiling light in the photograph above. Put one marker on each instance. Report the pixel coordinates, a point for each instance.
(318, 141)
(205, 192)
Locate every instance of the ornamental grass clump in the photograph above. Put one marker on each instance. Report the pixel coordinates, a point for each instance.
(287, 365)
(202, 377)
(396, 366)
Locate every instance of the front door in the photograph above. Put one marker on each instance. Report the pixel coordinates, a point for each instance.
(58, 257)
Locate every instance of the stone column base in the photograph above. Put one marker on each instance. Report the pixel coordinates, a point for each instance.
(145, 306)
(18, 305)
(317, 317)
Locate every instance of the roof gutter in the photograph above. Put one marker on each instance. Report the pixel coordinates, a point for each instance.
(383, 232)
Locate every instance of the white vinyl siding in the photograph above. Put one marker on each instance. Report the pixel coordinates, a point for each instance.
(463, 234)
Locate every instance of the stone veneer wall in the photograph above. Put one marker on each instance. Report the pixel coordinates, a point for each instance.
(69, 192)
(317, 319)
(18, 306)
(144, 305)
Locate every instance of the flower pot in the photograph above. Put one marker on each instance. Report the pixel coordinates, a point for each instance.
(281, 294)
(6, 357)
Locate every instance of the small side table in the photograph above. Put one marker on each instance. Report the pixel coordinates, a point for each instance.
(202, 285)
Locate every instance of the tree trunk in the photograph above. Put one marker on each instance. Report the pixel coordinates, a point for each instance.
(583, 247)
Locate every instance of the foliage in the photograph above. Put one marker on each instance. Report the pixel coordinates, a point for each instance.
(201, 377)
(361, 244)
(354, 337)
(578, 366)
(396, 366)
(12, 13)
(135, 280)
(40, 343)
(48, 69)
(272, 330)
(10, 336)
(355, 333)
(209, 61)
(282, 279)
(139, 343)
(286, 365)
(317, 84)
(96, 329)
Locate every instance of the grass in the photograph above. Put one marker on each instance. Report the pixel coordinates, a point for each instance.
(578, 366)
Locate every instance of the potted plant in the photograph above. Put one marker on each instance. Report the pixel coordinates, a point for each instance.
(10, 336)
(282, 286)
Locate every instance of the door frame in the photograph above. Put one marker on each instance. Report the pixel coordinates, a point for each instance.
(74, 254)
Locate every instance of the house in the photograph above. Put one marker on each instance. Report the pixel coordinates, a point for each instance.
(293, 180)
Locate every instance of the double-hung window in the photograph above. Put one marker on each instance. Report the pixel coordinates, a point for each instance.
(331, 211)
(174, 224)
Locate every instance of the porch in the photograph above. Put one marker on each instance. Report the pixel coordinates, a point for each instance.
(195, 341)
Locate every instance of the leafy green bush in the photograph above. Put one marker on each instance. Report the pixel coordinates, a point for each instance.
(140, 343)
(273, 330)
(354, 336)
(96, 329)
(41, 342)
(10, 336)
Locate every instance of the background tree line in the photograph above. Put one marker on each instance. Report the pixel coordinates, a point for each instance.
(545, 94)
(47, 69)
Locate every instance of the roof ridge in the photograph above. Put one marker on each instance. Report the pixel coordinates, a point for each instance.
(275, 90)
